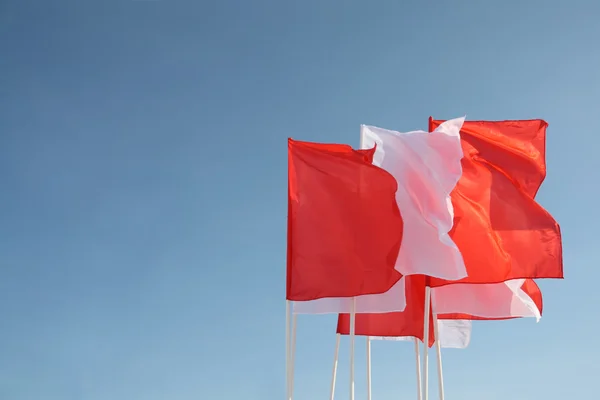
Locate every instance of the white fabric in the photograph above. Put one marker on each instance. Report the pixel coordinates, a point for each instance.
(500, 300)
(426, 167)
(454, 333)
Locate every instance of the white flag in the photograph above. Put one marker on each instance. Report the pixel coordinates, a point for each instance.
(498, 300)
(427, 168)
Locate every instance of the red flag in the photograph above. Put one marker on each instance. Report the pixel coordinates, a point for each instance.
(344, 226)
(499, 228)
(406, 323)
(530, 288)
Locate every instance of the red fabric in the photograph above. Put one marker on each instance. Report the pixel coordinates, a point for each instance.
(406, 323)
(344, 226)
(529, 287)
(500, 230)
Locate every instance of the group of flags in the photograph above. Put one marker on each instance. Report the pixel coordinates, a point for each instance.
(416, 234)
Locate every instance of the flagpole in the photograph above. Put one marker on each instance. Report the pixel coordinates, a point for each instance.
(293, 355)
(335, 364)
(438, 347)
(287, 349)
(368, 367)
(353, 317)
(426, 344)
(352, 328)
(418, 363)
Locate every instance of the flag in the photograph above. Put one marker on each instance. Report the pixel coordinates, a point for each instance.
(512, 299)
(452, 333)
(409, 322)
(502, 233)
(427, 167)
(344, 226)
(506, 300)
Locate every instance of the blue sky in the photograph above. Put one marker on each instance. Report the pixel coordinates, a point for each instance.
(143, 167)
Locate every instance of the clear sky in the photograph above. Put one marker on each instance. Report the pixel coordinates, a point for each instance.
(143, 175)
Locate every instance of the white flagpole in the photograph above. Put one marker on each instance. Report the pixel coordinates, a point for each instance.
(426, 344)
(352, 328)
(335, 364)
(418, 363)
(368, 367)
(438, 347)
(287, 349)
(293, 356)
